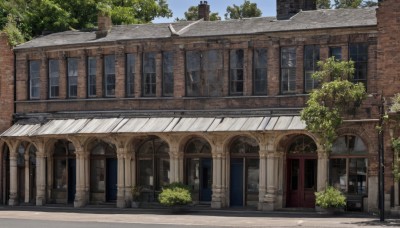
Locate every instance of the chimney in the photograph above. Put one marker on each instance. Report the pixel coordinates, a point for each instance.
(204, 11)
(104, 25)
(286, 9)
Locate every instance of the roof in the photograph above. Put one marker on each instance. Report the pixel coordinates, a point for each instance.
(155, 125)
(304, 20)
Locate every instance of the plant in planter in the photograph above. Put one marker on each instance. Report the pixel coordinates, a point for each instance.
(330, 199)
(136, 190)
(176, 195)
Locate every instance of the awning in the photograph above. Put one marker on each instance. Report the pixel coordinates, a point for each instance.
(155, 125)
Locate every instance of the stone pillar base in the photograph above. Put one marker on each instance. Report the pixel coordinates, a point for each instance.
(216, 205)
(40, 201)
(12, 202)
(79, 203)
(121, 202)
(266, 206)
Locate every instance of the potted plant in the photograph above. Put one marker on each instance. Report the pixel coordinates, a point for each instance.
(136, 190)
(176, 196)
(330, 200)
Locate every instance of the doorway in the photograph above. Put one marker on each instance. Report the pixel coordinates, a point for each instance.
(111, 179)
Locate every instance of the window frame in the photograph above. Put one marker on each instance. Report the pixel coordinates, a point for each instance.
(130, 59)
(34, 80)
(54, 79)
(256, 68)
(288, 69)
(91, 77)
(109, 76)
(360, 64)
(308, 71)
(168, 73)
(71, 77)
(236, 72)
(151, 75)
(335, 48)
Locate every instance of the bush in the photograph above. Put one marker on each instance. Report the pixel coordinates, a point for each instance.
(175, 194)
(330, 198)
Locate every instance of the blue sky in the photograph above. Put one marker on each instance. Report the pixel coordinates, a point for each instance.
(178, 7)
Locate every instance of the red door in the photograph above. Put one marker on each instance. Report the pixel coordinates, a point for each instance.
(301, 182)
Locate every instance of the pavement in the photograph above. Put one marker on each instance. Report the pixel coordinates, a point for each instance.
(203, 217)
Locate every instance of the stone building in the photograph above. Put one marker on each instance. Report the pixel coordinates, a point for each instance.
(213, 104)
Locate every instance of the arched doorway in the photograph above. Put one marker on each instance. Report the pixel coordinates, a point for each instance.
(244, 172)
(5, 175)
(198, 165)
(301, 172)
(103, 172)
(64, 172)
(26, 173)
(153, 167)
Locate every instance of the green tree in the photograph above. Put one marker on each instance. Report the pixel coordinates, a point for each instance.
(246, 10)
(35, 16)
(369, 3)
(327, 105)
(192, 14)
(347, 3)
(323, 4)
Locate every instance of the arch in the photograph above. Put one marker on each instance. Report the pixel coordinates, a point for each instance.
(26, 172)
(283, 140)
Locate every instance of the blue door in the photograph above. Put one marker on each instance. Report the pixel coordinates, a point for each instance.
(206, 180)
(111, 179)
(71, 180)
(236, 189)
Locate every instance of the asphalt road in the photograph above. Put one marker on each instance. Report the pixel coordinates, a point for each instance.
(44, 217)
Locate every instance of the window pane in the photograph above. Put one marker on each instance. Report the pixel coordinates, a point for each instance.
(336, 52)
(130, 74)
(109, 70)
(357, 175)
(193, 61)
(236, 72)
(168, 74)
(337, 173)
(34, 76)
(53, 78)
(163, 172)
(311, 57)
(358, 52)
(252, 181)
(146, 178)
(97, 175)
(72, 77)
(91, 76)
(260, 72)
(149, 74)
(60, 174)
(288, 69)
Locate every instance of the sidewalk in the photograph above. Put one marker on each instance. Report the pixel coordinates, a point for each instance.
(196, 216)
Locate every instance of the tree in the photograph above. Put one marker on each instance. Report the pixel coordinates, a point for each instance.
(323, 4)
(327, 105)
(369, 3)
(246, 10)
(347, 3)
(192, 14)
(35, 16)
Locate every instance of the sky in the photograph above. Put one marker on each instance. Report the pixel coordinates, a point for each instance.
(179, 7)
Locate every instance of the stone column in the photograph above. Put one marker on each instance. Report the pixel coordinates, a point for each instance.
(13, 178)
(218, 187)
(128, 178)
(50, 176)
(27, 185)
(121, 178)
(86, 176)
(322, 170)
(40, 177)
(174, 155)
(80, 196)
(270, 199)
(262, 189)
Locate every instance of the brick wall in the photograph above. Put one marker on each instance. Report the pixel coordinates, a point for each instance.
(6, 83)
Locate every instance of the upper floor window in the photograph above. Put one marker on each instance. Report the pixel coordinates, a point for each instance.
(53, 78)
(236, 72)
(72, 77)
(204, 75)
(149, 75)
(91, 76)
(168, 74)
(260, 72)
(288, 70)
(109, 75)
(311, 58)
(336, 52)
(130, 75)
(34, 79)
(359, 54)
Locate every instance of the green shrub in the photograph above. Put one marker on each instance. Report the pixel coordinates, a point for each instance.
(175, 194)
(330, 197)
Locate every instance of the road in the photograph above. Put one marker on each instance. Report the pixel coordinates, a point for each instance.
(61, 218)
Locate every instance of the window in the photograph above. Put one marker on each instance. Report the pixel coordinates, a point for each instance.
(260, 72)
(311, 57)
(130, 75)
(359, 54)
(348, 165)
(149, 75)
(34, 79)
(91, 76)
(168, 74)
(109, 75)
(204, 73)
(236, 72)
(72, 77)
(53, 78)
(336, 52)
(288, 70)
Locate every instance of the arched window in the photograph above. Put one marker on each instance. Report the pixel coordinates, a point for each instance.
(152, 166)
(302, 145)
(348, 165)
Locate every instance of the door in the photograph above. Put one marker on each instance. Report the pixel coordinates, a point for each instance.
(71, 180)
(236, 189)
(111, 179)
(301, 182)
(206, 179)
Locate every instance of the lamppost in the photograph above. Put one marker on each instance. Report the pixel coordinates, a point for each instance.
(381, 152)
